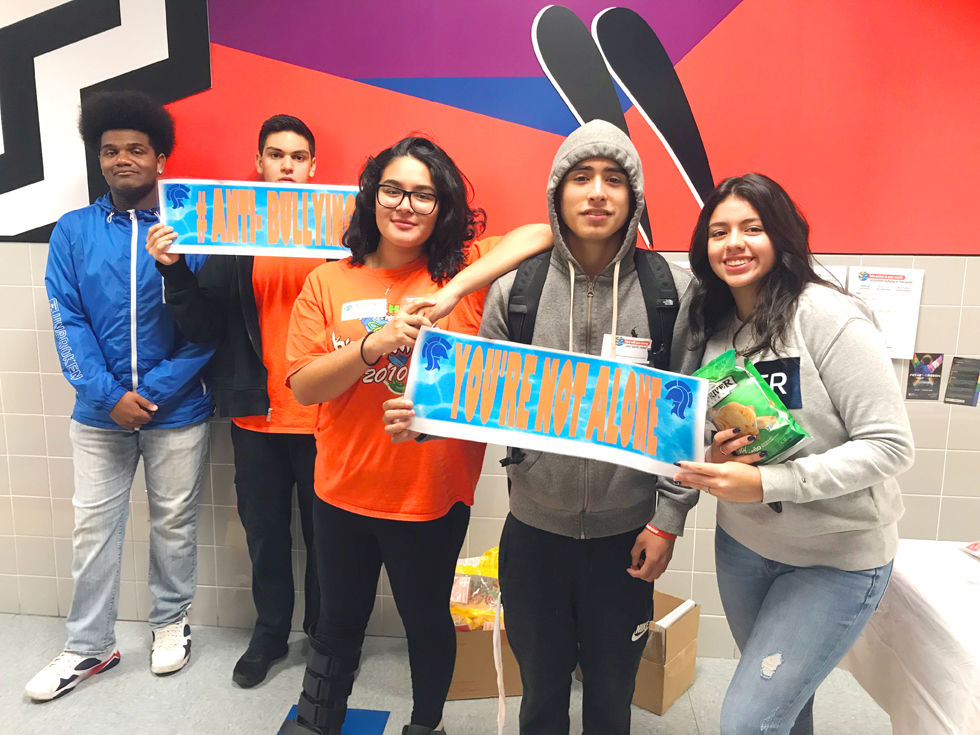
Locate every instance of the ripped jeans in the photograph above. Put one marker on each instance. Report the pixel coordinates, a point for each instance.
(792, 625)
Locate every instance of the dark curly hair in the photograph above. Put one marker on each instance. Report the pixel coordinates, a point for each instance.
(126, 110)
(280, 123)
(456, 223)
(789, 234)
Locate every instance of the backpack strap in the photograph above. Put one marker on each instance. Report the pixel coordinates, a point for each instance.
(656, 284)
(662, 303)
(525, 295)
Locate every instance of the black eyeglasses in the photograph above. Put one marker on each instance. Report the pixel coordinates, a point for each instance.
(421, 202)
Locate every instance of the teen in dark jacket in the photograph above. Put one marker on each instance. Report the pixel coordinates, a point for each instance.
(243, 304)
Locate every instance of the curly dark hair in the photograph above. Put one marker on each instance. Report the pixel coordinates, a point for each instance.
(456, 224)
(789, 234)
(126, 110)
(280, 123)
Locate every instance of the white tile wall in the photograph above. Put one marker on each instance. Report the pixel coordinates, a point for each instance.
(942, 495)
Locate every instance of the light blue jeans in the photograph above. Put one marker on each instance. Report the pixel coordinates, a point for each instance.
(792, 625)
(105, 464)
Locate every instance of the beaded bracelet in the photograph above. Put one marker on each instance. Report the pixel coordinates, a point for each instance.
(364, 359)
(662, 534)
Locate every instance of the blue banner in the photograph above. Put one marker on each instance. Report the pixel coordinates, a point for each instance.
(504, 393)
(256, 218)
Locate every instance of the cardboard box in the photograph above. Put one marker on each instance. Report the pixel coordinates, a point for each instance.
(474, 676)
(667, 667)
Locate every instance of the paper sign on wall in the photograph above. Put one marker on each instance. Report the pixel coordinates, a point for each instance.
(963, 385)
(893, 295)
(925, 376)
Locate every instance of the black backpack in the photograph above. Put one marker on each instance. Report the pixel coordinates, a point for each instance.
(656, 283)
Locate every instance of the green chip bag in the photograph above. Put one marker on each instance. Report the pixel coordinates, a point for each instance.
(740, 397)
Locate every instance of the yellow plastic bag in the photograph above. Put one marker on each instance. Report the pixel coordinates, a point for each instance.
(475, 592)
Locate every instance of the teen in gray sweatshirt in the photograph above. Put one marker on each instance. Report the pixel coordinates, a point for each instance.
(584, 539)
(577, 559)
(804, 547)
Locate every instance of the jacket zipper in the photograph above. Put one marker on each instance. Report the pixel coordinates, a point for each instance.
(132, 298)
(588, 350)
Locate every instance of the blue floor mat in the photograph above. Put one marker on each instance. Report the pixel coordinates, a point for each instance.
(359, 721)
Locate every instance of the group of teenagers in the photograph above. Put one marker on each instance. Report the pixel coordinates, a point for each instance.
(297, 352)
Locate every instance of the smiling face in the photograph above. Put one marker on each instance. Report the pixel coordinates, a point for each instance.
(401, 228)
(130, 167)
(285, 157)
(739, 251)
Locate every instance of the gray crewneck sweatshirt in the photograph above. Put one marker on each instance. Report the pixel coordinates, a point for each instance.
(841, 503)
(568, 495)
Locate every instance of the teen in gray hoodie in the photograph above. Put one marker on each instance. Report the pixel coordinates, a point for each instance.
(577, 556)
(804, 547)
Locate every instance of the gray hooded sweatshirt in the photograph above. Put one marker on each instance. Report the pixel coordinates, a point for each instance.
(840, 500)
(571, 496)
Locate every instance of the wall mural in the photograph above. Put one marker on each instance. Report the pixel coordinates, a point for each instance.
(53, 54)
(867, 112)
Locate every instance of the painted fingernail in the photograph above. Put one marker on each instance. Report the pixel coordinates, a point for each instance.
(736, 430)
(677, 464)
(763, 454)
(751, 437)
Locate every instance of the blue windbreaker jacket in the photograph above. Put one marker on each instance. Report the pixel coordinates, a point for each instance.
(112, 330)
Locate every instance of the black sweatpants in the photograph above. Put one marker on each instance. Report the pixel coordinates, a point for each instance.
(420, 559)
(569, 601)
(267, 466)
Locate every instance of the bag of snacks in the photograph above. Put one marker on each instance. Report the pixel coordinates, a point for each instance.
(741, 398)
(475, 592)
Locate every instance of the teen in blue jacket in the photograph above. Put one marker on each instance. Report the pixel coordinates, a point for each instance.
(138, 393)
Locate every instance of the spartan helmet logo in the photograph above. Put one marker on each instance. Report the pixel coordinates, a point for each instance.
(434, 350)
(177, 195)
(680, 396)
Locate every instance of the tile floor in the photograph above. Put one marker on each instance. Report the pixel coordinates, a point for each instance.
(201, 699)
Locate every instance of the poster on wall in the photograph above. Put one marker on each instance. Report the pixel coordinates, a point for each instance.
(963, 384)
(256, 218)
(552, 401)
(925, 376)
(894, 295)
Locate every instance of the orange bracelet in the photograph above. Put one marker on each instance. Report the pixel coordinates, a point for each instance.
(662, 534)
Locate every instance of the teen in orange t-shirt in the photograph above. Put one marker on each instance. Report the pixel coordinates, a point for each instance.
(243, 303)
(404, 506)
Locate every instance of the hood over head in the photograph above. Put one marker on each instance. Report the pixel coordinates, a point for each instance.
(596, 139)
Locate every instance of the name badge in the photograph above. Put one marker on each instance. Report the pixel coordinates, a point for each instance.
(363, 309)
(628, 349)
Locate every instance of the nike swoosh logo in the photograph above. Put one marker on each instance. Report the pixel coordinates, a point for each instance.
(640, 631)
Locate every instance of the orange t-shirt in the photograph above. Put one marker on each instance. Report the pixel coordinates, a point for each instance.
(358, 468)
(277, 282)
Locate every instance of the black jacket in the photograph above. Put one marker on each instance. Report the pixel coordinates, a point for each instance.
(218, 304)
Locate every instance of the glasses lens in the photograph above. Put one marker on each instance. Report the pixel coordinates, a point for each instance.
(389, 197)
(423, 202)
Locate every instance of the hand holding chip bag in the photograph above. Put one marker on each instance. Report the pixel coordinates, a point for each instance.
(740, 398)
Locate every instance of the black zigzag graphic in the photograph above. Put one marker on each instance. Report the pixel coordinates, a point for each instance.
(641, 66)
(20, 43)
(186, 71)
(571, 60)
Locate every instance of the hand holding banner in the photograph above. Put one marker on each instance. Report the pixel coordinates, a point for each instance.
(567, 403)
(256, 218)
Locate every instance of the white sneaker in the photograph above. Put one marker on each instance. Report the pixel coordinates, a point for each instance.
(66, 672)
(171, 647)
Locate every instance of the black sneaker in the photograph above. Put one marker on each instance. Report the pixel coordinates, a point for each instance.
(421, 730)
(253, 666)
